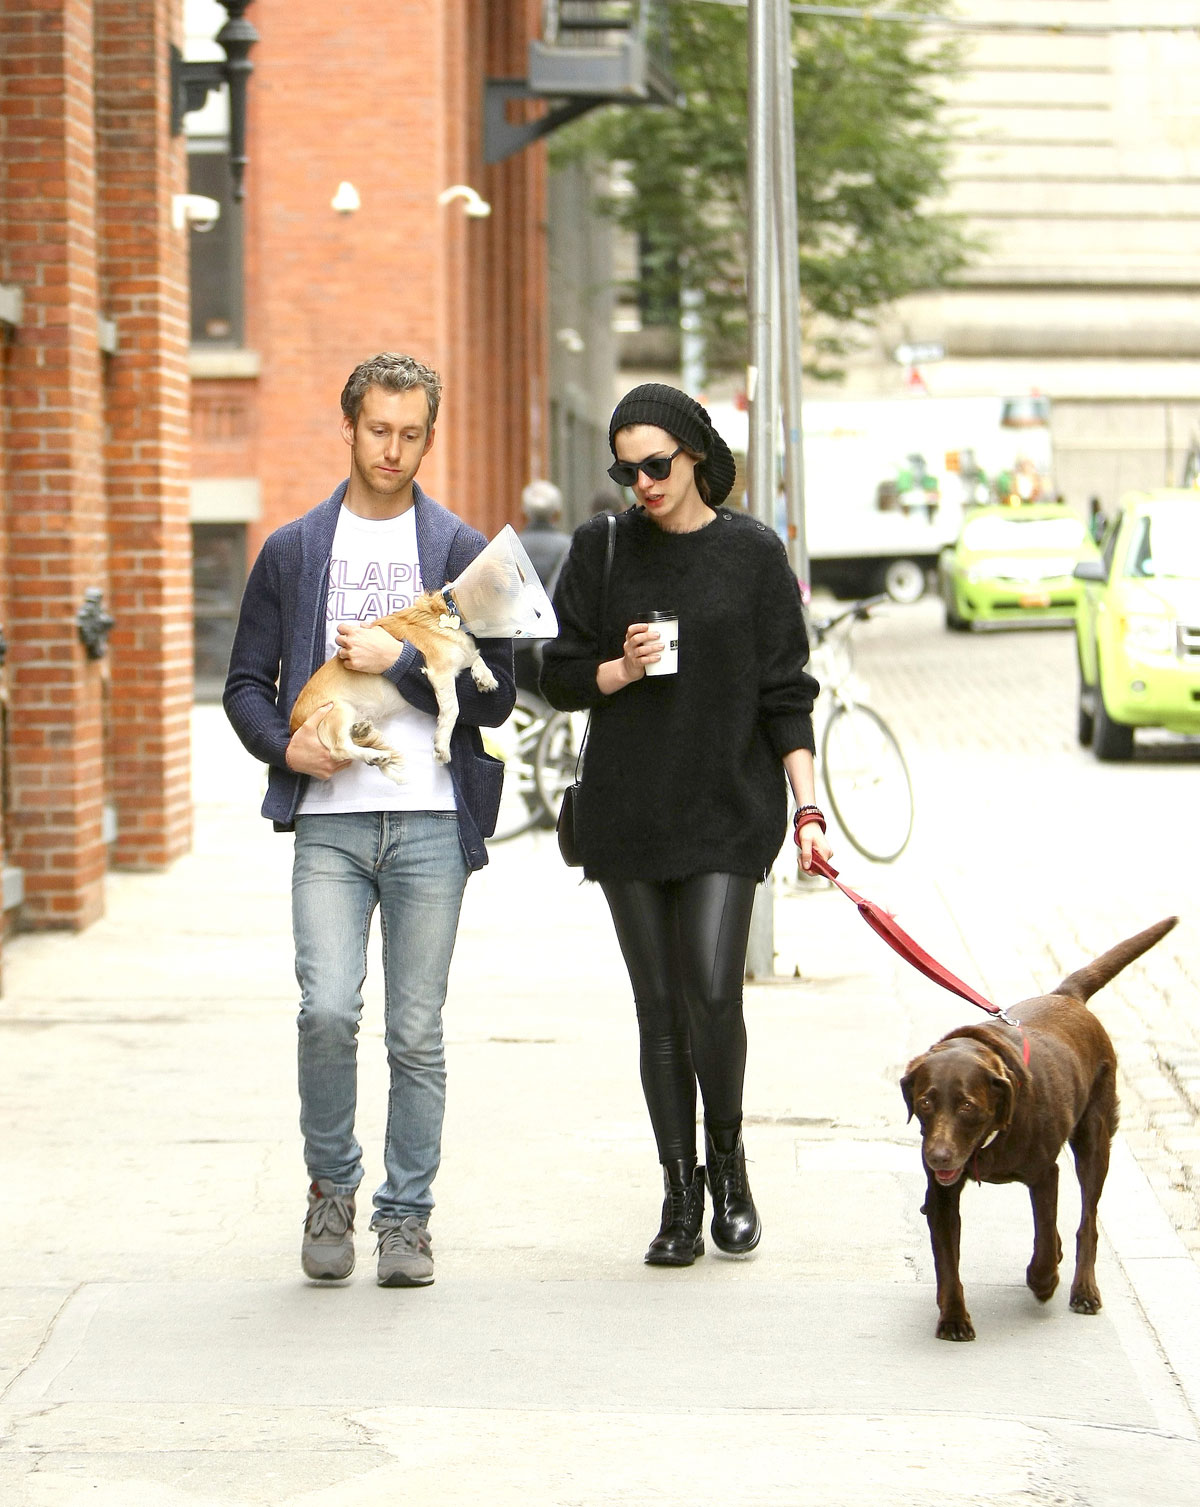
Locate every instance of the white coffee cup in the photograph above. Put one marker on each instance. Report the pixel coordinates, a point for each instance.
(666, 625)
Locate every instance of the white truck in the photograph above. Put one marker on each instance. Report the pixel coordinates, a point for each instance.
(886, 479)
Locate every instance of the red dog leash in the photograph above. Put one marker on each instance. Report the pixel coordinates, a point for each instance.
(883, 923)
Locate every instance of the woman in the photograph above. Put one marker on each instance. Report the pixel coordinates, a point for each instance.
(683, 805)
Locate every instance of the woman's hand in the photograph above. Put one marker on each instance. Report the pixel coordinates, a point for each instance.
(643, 647)
(810, 839)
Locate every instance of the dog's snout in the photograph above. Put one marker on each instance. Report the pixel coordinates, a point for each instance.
(941, 1155)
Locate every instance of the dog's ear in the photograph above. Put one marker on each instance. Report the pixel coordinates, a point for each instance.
(1006, 1093)
(906, 1083)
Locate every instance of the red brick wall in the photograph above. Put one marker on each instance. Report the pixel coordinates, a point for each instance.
(324, 291)
(224, 428)
(95, 447)
(55, 501)
(144, 288)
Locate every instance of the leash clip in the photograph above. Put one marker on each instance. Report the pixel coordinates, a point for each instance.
(1008, 1020)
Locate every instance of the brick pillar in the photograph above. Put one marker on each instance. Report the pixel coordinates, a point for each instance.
(143, 281)
(55, 513)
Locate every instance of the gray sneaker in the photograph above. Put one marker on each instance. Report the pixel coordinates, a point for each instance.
(327, 1251)
(405, 1254)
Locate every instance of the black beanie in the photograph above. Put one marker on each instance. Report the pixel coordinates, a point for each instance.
(668, 408)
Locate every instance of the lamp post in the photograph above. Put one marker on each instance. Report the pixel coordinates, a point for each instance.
(192, 82)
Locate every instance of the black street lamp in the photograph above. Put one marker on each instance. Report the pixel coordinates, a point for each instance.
(191, 84)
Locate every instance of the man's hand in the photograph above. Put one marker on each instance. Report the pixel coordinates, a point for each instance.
(306, 754)
(370, 650)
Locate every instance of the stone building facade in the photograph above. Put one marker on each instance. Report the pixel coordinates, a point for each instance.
(1076, 162)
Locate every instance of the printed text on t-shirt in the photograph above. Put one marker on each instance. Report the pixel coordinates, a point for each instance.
(384, 587)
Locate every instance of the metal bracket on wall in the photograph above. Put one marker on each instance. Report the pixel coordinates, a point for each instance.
(94, 623)
(501, 138)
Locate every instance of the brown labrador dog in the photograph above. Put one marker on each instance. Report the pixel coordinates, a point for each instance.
(998, 1102)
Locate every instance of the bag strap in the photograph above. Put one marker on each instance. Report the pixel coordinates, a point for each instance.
(609, 550)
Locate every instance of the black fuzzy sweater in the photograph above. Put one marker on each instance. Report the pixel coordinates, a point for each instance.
(684, 772)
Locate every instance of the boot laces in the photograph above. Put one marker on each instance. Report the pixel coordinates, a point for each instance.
(731, 1172)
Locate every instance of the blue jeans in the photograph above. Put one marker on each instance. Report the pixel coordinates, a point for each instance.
(411, 865)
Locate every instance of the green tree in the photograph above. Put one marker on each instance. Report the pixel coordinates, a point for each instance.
(871, 150)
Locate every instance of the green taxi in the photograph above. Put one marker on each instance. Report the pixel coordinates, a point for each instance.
(1138, 626)
(1014, 563)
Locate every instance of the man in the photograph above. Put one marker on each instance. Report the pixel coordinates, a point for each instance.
(545, 542)
(362, 841)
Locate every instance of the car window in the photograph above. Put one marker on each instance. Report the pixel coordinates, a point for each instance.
(1166, 547)
(1023, 533)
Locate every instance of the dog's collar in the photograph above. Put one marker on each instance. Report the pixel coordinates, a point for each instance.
(451, 604)
(983, 1146)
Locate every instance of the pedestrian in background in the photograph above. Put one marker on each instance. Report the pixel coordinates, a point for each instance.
(363, 842)
(546, 544)
(545, 541)
(683, 805)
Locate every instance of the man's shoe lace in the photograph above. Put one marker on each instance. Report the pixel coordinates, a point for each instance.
(329, 1215)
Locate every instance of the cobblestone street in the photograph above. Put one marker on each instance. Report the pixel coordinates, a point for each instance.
(1044, 857)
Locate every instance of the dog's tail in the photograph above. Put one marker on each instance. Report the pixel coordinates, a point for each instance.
(1084, 982)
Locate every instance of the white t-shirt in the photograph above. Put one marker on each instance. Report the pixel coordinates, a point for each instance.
(374, 570)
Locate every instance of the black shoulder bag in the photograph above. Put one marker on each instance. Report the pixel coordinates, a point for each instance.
(568, 842)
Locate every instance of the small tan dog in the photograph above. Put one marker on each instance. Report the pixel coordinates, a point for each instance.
(360, 699)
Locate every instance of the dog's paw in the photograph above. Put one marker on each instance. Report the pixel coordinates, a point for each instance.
(1041, 1284)
(956, 1329)
(441, 752)
(393, 767)
(1086, 1300)
(483, 677)
(361, 730)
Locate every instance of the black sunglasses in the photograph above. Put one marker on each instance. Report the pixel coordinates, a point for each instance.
(656, 467)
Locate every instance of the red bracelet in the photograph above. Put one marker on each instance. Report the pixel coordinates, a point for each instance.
(805, 815)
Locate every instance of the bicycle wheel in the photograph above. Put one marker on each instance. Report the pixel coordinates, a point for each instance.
(515, 742)
(867, 782)
(555, 759)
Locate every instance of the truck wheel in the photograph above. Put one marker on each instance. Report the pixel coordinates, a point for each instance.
(904, 581)
(1112, 741)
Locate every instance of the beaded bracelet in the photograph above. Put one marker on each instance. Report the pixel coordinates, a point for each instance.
(806, 814)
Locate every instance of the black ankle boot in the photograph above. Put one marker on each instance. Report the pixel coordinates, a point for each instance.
(679, 1240)
(736, 1227)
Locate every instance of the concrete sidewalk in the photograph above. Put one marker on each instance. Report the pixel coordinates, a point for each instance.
(159, 1346)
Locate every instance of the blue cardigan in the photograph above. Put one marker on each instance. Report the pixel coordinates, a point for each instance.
(280, 641)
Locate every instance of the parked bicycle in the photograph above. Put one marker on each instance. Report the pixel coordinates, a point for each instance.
(516, 743)
(865, 777)
(556, 758)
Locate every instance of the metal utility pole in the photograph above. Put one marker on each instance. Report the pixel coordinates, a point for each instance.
(761, 386)
(787, 239)
(775, 335)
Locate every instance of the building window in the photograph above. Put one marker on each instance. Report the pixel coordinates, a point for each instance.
(216, 254)
(218, 577)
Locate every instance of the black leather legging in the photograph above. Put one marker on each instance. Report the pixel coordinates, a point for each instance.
(684, 944)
